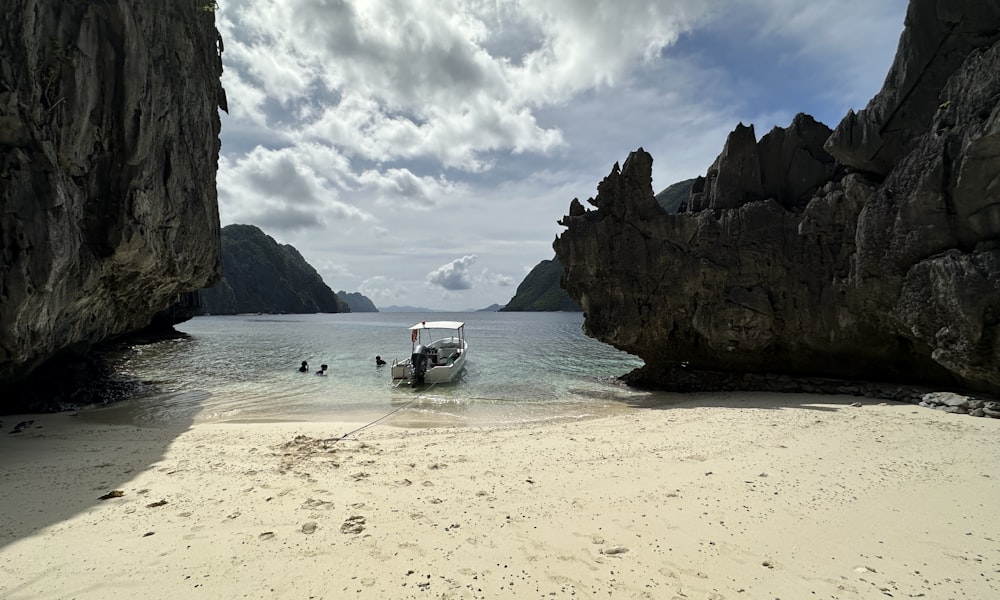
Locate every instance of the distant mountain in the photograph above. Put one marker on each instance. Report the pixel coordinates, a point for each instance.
(399, 309)
(261, 275)
(491, 308)
(357, 301)
(672, 197)
(540, 291)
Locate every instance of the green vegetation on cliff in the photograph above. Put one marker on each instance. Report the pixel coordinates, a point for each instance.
(672, 197)
(357, 301)
(261, 275)
(540, 291)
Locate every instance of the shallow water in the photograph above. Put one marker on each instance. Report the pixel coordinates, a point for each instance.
(521, 367)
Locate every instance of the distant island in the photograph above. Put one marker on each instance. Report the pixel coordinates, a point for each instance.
(675, 195)
(261, 275)
(357, 301)
(541, 291)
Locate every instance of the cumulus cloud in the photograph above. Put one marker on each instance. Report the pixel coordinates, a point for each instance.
(361, 130)
(496, 279)
(594, 43)
(381, 289)
(454, 275)
(450, 80)
(401, 187)
(283, 189)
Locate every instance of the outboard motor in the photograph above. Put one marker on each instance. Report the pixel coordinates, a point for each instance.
(419, 362)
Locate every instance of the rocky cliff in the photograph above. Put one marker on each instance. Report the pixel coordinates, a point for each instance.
(261, 275)
(109, 140)
(870, 252)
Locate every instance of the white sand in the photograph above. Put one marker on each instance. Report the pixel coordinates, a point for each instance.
(724, 496)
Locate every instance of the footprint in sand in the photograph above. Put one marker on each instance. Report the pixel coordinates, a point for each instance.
(355, 524)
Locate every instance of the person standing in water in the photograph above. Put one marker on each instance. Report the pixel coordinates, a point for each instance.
(304, 368)
(322, 370)
(378, 361)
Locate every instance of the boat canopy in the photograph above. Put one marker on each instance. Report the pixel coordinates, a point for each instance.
(438, 325)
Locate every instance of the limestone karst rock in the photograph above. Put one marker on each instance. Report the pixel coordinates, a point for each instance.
(261, 275)
(109, 141)
(871, 254)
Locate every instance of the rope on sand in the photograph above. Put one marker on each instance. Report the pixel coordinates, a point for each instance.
(382, 418)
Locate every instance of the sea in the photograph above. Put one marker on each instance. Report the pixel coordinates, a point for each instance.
(522, 367)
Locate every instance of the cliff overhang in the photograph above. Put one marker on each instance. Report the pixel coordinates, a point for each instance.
(109, 143)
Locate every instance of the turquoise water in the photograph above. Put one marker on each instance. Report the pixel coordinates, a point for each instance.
(521, 367)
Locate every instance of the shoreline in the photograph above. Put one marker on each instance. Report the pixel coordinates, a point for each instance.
(740, 495)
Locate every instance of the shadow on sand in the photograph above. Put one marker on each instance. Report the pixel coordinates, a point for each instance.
(753, 400)
(56, 466)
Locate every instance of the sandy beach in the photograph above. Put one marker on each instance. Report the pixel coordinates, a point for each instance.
(719, 496)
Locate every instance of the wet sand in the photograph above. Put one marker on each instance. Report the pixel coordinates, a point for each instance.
(718, 496)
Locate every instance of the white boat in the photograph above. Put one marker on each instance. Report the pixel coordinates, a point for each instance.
(437, 354)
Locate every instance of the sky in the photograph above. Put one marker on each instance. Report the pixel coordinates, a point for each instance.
(422, 152)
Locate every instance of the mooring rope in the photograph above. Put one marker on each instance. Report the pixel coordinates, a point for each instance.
(382, 418)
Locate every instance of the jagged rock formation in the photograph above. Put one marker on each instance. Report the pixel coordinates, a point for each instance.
(259, 275)
(541, 291)
(787, 166)
(868, 253)
(109, 140)
(357, 302)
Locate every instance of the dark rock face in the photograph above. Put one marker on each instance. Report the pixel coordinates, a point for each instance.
(262, 276)
(885, 266)
(940, 36)
(109, 140)
(787, 165)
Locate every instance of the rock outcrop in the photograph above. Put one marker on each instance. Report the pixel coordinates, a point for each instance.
(259, 275)
(541, 289)
(868, 253)
(109, 141)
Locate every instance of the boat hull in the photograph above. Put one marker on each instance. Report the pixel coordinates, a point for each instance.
(446, 358)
